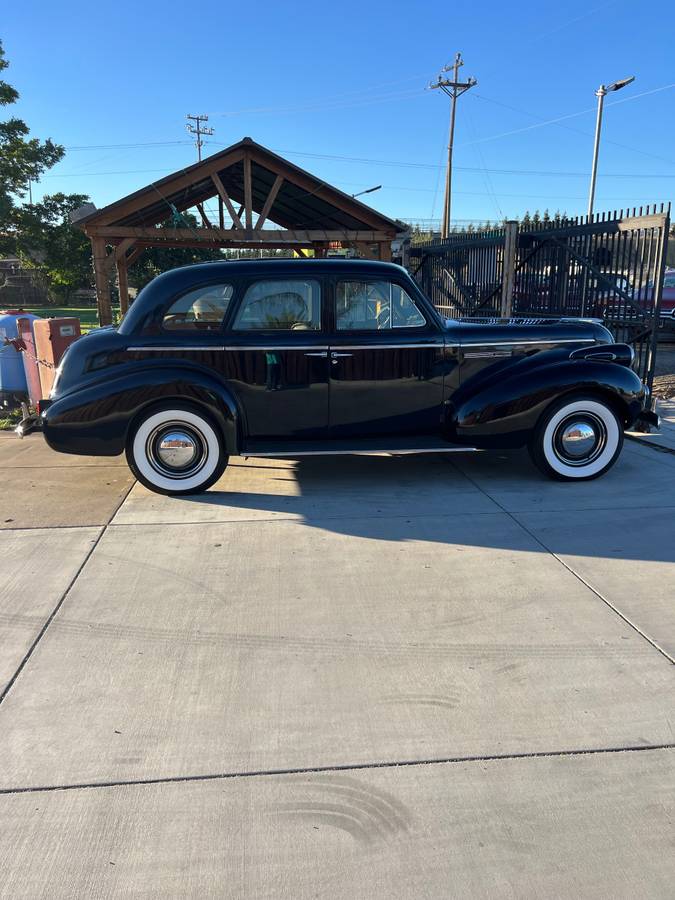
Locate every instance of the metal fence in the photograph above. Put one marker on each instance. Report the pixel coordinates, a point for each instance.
(609, 267)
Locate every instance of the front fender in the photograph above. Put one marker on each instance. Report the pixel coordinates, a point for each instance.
(95, 419)
(503, 412)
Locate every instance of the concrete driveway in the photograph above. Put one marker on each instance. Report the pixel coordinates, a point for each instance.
(345, 677)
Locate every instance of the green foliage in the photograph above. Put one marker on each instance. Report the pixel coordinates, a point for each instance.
(155, 260)
(22, 159)
(44, 237)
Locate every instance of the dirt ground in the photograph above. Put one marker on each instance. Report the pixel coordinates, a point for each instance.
(664, 382)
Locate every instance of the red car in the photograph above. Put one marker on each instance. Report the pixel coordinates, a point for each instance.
(668, 298)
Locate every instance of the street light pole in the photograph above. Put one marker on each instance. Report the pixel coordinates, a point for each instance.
(601, 93)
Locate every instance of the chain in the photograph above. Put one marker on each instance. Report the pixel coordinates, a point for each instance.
(17, 342)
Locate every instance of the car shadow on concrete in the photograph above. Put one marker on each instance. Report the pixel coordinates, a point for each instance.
(488, 499)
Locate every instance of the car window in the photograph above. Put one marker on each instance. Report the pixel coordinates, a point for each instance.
(203, 309)
(282, 305)
(669, 281)
(374, 306)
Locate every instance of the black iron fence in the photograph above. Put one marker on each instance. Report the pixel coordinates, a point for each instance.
(607, 267)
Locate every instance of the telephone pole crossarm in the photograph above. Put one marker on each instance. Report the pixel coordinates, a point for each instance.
(199, 130)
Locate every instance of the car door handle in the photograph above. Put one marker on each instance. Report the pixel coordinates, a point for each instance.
(322, 353)
(336, 355)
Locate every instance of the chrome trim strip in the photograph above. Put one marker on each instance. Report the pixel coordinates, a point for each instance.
(407, 452)
(518, 343)
(488, 354)
(277, 347)
(388, 346)
(175, 349)
(264, 348)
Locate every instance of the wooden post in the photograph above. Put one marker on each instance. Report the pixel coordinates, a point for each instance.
(248, 193)
(385, 251)
(509, 270)
(123, 284)
(102, 281)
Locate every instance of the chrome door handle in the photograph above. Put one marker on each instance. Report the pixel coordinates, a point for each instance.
(322, 353)
(336, 355)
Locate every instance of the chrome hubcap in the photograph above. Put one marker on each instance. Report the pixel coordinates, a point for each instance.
(579, 439)
(176, 450)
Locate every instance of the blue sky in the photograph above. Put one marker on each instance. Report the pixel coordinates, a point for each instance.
(340, 89)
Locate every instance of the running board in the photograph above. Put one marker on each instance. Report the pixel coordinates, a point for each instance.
(364, 447)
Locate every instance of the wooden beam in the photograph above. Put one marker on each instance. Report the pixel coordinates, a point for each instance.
(271, 197)
(154, 193)
(205, 218)
(225, 197)
(133, 256)
(248, 192)
(221, 213)
(123, 284)
(122, 247)
(317, 188)
(101, 275)
(159, 236)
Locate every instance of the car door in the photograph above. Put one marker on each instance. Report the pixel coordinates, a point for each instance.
(386, 360)
(276, 359)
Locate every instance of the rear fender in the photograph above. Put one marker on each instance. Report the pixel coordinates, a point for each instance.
(503, 412)
(96, 419)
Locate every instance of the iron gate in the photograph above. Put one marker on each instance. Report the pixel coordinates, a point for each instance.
(607, 267)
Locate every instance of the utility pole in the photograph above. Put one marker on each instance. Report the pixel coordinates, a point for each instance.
(199, 130)
(454, 89)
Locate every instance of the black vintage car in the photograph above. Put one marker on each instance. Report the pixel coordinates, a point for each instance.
(298, 357)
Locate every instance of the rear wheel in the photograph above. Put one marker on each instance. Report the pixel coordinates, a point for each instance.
(176, 450)
(577, 439)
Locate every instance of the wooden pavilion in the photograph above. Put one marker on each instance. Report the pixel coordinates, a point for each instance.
(254, 189)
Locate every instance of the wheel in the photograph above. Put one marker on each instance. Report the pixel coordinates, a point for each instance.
(176, 450)
(577, 439)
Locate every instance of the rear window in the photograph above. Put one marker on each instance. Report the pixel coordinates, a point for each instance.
(203, 309)
(280, 305)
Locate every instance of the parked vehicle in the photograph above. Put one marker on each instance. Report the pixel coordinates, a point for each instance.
(667, 297)
(299, 357)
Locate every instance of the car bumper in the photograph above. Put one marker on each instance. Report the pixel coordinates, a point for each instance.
(648, 421)
(28, 425)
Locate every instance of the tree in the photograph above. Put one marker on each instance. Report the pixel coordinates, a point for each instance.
(22, 159)
(44, 237)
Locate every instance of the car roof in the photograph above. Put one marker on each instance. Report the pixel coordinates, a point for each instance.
(302, 267)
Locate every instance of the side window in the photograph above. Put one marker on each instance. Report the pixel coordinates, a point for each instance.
(374, 306)
(283, 305)
(203, 309)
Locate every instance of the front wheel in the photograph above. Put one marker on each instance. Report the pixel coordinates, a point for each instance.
(176, 450)
(577, 439)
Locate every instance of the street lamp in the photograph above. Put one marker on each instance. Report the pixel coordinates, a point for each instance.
(368, 191)
(600, 94)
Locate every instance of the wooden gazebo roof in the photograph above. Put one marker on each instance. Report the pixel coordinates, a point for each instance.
(254, 188)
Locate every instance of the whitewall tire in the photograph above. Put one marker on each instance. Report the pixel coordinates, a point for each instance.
(577, 439)
(176, 450)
